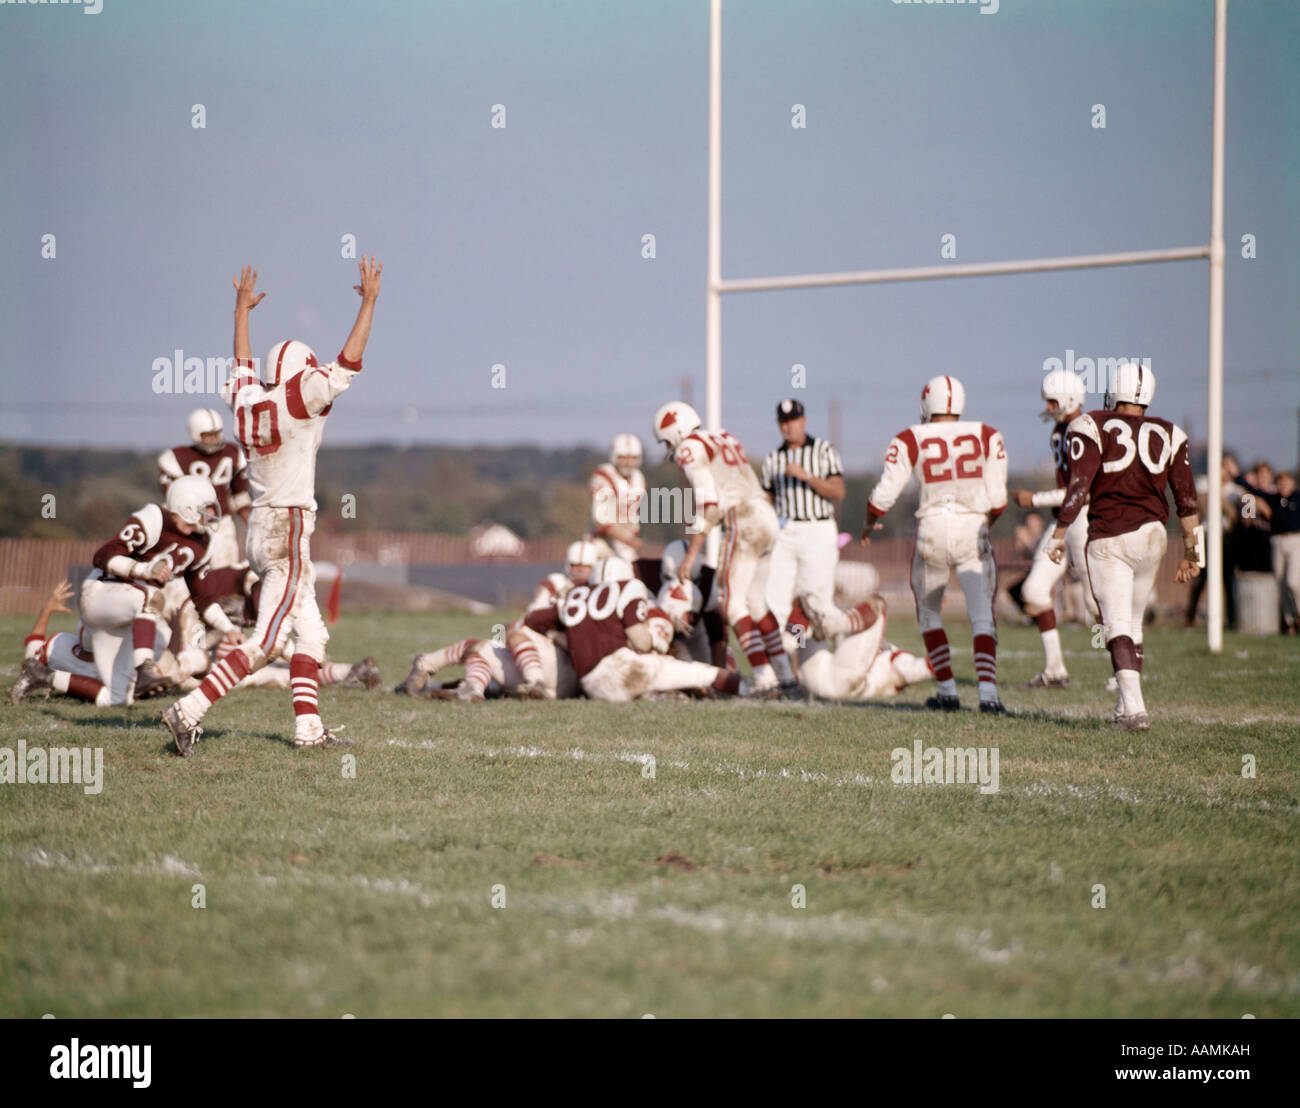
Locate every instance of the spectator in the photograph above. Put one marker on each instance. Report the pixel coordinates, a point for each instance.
(1283, 511)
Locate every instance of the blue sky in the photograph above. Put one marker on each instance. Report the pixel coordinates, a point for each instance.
(522, 245)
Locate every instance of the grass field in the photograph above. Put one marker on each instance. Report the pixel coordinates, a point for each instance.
(670, 894)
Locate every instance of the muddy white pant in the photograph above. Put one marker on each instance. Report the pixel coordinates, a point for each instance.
(1286, 568)
(945, 543)
(803, 562)
(862, 667)
(1122, 570)
(749, 533)
(625, 675)
(279, 550)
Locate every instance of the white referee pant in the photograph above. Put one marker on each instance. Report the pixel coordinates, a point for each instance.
(803, 562)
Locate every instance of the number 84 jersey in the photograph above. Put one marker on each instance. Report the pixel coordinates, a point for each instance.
(961, 466)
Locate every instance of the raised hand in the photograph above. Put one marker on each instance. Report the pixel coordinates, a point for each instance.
(58, 599)
(244, 283)
(370, 271)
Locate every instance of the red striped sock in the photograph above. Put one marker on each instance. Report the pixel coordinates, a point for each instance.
(142, 636)
(861, 617)
(936, 650)
(224, 676)
(751, 641)
(304, 681)
(986, 658)
(457, 650)
(477, 672)
(331, 673)
(528, 660)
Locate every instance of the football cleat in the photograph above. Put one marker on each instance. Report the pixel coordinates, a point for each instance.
(1047, 680)
(534, 690)
(183, 732)
(993, 708)
(328, 737)
(469, 693)
(943, 703)
(791, 690)
(364, 673)
(816, 621)
(150, 681)
(1139, 721)
(34, 675)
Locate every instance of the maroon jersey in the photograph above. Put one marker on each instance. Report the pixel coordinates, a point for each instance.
(146, 538)
(594, 620)
(227, 469)
(212, 586)
(1125, 463)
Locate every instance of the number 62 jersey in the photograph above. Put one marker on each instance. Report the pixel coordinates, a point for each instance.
(961, 466)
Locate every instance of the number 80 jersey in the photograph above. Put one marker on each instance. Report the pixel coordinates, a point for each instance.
(961, 466)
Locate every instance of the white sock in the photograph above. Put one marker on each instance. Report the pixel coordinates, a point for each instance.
(988, 691)
(1130, 691)
(764, 677)
(949, 687)
(1052, 650)
(781, 665)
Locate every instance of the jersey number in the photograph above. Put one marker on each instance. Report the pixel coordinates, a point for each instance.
(258, 433)
(1140, 449)
(968, 465)
(225, 468)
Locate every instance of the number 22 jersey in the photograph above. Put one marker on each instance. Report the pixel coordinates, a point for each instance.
(961, 466)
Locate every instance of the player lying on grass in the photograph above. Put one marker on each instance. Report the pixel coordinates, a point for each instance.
(618, 640)
(112, 660)
(523, 664)
(846, 656)
(280, 420)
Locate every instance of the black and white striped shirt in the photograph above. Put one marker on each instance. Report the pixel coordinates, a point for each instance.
(795, 499)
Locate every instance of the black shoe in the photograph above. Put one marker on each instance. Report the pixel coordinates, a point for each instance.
(149, 681)
(365, 673)
(184, 733)
(943, 703)
(993, 708)
(34, 676)
(791, 690)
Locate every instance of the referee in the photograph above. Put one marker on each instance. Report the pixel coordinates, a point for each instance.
(805, 479)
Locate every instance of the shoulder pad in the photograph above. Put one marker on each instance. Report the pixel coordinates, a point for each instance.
(1085, 427)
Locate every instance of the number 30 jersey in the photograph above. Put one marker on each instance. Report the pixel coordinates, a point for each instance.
(281, 429)
(961, 465)
(1125, 462)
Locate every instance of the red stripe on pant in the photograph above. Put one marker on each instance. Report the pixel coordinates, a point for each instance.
(285, 602)
(936, 649)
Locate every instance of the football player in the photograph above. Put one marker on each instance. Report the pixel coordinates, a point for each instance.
(112, 660)
(279, 421)
(1121, 461)
(846, 656)
(1064, 393)
(727, 492)
(962, 469)
(616, 489)
(618, 641)
(222, 463)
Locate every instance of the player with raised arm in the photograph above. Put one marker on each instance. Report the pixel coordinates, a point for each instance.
(727, 492)
(280, 420)
(1121, 462)
(617, 488)
(962, 469)
(1064, 393)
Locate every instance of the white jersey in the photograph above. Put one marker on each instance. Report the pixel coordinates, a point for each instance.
(720, 475)
(615, 498)
(961, 466)
(281, 429)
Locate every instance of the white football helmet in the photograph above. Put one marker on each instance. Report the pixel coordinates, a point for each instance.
(201, 422)
(581, 553)
(1068, 390)
(943, 395)
(194, 500)
(681, 603)
(625, 446)
(611, 569)
(674, 421)
(671, 558)
(1129, 383)
(287, 359)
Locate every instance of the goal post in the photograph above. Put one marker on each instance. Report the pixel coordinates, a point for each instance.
(1212, 251)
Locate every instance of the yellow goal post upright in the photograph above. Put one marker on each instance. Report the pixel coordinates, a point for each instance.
(717, 286)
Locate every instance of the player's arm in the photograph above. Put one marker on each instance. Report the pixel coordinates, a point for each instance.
(169, 469)
(368, 290)
(830, 487)
(1185, 504)
(900, 460)
(120, 556)
(995, 472)
(542, 620)
(604, 515)
(57, 601)
(245, 302)
(1084, 445)
(206, 590)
